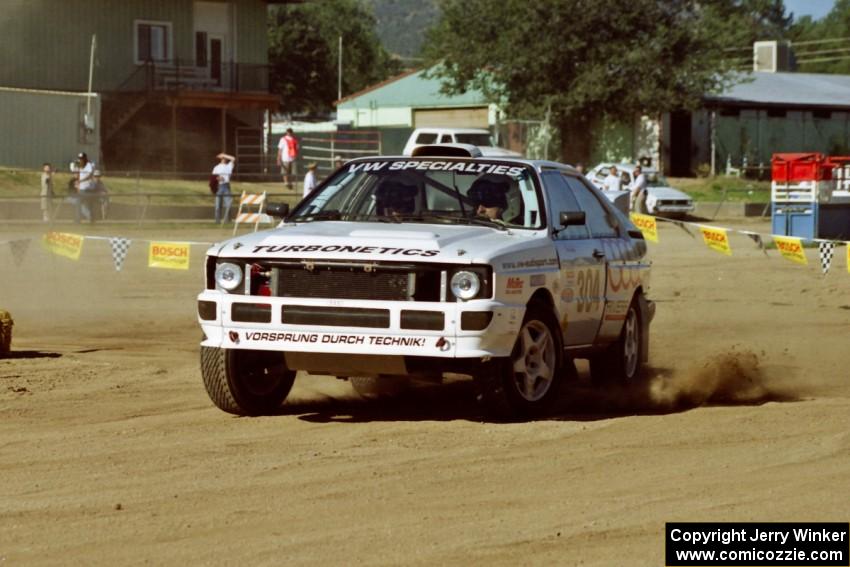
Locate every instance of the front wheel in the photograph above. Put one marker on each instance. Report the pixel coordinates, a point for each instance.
(246, 382)
(527, 383)
(621, 362)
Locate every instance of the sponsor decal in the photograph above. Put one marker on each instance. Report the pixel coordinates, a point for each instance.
(623, 277)
(536, 263)
(514, 285)
(589, 292)
(64, 244)
(646, 224)
(325, 338)
(537, 280)
(428, 165)
(791, 248)
(716, 239)
(234, 337)
(616, 311)
(170, 255)
(385, 250)
(567, 295)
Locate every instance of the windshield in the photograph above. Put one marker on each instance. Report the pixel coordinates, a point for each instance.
(427, 191)
(655, 179)
(474, 139)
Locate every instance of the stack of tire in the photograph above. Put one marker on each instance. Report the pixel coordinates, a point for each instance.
(5, 332)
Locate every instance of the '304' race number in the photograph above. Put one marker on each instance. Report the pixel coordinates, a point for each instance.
(589, 296)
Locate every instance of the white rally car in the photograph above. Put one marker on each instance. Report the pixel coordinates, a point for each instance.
(443, 262)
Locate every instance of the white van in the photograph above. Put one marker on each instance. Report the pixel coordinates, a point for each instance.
(474, 136)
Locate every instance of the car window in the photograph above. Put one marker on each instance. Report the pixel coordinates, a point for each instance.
(598, 220)
(426, 138)
(561, 199)
(474, 139)
(445, 139)
(427, 191)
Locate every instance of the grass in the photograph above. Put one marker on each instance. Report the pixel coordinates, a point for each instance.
(723, 188)
(26, 183)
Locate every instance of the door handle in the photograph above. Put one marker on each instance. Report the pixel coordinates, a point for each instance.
(598, 254)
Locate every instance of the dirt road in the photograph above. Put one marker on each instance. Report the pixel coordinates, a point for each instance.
(111, 452)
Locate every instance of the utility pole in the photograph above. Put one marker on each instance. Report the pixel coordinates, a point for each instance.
(339, 72)
(88, 121)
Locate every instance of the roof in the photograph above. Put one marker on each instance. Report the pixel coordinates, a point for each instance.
(411, 89)
(787, 90)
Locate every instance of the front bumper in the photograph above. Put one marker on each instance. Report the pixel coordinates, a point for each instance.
(391, 339)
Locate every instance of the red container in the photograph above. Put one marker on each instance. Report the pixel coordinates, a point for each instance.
(800, 167)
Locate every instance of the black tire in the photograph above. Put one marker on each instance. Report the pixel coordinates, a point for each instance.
(246, 382)
(622, 362)
(526, 384)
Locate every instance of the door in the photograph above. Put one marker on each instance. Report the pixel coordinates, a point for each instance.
(580, 301)
(216, 50)
(680, 144)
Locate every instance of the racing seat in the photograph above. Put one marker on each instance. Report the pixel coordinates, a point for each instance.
(395, 197)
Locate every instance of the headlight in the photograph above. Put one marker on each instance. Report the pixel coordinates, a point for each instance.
(228, 276)
(465, 285)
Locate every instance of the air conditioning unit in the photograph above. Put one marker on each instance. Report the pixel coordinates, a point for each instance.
(773, 56)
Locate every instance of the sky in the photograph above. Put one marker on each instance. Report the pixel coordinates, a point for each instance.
(814, 8)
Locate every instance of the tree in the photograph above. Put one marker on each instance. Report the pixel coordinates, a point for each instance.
(303, 51)
(820, 56)
(584, 59)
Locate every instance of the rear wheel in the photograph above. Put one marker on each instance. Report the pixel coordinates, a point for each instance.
(527, 383)
(621, 362)
(246, 382)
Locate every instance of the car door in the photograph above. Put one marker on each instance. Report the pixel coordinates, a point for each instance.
(582, 266)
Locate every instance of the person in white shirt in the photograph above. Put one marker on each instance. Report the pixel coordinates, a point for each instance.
(223, 197)
(612, 181)
(310, 179)
(287, 153)
(638, 191)
(85, 187)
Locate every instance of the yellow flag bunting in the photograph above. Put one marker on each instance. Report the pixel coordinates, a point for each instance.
(170, 255)
(791, 248)
(64, 244)
(646, 224)
(716, 239)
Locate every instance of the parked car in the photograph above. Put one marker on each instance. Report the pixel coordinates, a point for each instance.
(661, 199)
(480, 137)
(445, 262)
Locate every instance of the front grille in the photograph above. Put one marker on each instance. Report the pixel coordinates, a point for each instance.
(343, 284)
(335, 316)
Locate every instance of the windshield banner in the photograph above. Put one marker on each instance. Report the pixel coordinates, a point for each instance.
(460, 167)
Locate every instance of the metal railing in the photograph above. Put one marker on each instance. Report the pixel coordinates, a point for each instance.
(177, 74)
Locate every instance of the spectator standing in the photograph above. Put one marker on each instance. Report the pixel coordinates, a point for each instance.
(223, 197)
(47, 192)
(612, 181)
(638, 189)
(310, 179)
(338, 163)
(85, 188)
(287, 153)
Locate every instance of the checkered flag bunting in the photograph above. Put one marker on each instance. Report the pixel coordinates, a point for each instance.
(825, 251)
(755, 237)
(19, 250)
(120, 246)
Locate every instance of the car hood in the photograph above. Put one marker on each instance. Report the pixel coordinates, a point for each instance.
(362, 241)
(667, 193)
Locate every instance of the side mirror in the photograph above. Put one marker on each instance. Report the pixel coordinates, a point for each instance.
(279, 210)
(572, 218)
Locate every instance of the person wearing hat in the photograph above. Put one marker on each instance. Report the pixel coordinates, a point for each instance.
(85, 188)
(310, 179)
(395, 199)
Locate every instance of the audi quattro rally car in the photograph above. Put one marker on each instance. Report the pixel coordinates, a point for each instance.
(501, 269)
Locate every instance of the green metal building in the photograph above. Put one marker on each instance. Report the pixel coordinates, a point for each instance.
(176, 81)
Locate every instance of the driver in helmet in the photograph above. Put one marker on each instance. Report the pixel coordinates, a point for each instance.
(489, 196)
(394, 199)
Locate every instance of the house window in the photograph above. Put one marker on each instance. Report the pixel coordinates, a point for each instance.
(153, 41)
(201, 49)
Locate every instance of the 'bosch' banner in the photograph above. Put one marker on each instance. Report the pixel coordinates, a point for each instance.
(646, 224)
(64, 244)
(791, 248)
(170, 255)
(716, 239)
